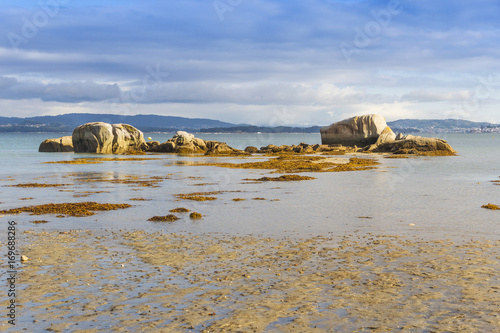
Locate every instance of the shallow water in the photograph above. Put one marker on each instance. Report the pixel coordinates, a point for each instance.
(318, 229)
(432, 197)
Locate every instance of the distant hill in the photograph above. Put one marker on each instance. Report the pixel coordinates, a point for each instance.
(262, 129)
(155, 123)
(438, 125)
(146, 123)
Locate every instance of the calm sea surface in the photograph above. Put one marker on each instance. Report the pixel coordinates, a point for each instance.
(432, 197)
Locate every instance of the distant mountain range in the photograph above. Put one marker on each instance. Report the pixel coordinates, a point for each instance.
(68, 122)
(155, 123)
(439, 125)
(261, 129)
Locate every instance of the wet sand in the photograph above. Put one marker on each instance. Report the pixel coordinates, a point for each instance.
(141, 280)
(100, 280)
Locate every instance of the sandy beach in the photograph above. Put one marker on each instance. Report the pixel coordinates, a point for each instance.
(111, 280)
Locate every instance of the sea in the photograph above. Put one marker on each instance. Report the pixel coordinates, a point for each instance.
(428, 197)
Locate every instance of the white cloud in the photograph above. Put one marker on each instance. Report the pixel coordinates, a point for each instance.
(265, 54)
(424, 96)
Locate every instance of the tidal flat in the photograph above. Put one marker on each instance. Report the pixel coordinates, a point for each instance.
(140, 281)
(376, 250)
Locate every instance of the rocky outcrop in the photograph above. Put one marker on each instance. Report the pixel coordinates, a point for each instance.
(386, 136)
(357, 131)
(183, 138)
(409, 144)
(104, 138)
(60, 145)
(186, 143)
(303, 148)
(222, 148)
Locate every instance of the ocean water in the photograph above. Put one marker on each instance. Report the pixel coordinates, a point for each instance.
(436, 197)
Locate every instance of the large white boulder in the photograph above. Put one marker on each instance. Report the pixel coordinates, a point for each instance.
(355, 131)
(104, 138)
(183, 138)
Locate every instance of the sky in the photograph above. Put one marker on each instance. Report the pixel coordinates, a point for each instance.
(261, 62)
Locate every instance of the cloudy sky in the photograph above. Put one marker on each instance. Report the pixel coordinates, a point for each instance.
(265, 62)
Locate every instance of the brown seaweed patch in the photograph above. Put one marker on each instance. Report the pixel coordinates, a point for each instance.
(39, 221)
(77, 161)
(99, 160)
(87, 193)
(25, 185)
(168, 218)
(397, 156)
(284, 164)
(179, 210)
(78, 209)
(198, 196)
(283, 178)
(195, 215)
(29, 198)
(334, 152)
(8, 179)
(356, 164)
(290, 163)
(259, 199)
(130, 180)
(238, 199)
(491, 206)
(140, 199)
(437, 153)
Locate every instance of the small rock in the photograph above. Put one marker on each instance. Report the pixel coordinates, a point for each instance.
(24, 258)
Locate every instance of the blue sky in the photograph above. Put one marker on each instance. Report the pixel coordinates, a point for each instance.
(272, 62)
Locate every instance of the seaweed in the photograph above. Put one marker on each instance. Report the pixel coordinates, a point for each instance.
(195, 215)
(198, 196)
(491, 206)
(168, 218)
(291, 163)
(36, 185)
(96, 160)
(179, 210)
(283, 178)
(78, 209)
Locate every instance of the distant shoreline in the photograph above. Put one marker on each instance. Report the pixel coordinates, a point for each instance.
(168, 124)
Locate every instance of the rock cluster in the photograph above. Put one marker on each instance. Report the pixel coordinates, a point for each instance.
(303, 148)
(104, 138)
(410, 144)
(59, 145)
(372, 133)
(185, 143)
